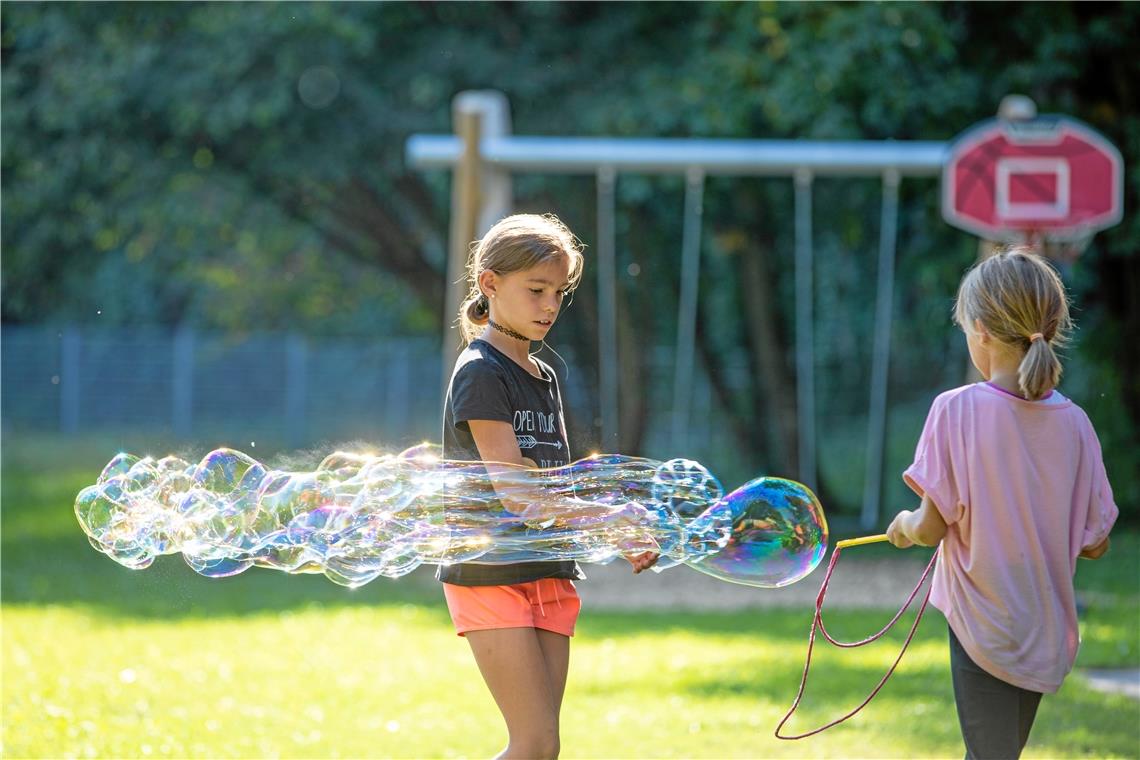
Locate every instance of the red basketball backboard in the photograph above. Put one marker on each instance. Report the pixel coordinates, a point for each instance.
(1052, 178)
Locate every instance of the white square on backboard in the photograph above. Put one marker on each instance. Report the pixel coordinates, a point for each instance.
(1010, 167)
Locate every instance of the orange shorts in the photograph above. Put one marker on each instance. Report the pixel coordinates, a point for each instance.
(551, 604)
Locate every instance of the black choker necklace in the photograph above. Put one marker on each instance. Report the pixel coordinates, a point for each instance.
(508, 331)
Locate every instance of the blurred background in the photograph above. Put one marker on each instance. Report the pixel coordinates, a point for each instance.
(212, 235)
(211, 231)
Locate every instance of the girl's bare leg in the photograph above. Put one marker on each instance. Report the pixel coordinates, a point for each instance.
(515, 669)
(556, 652)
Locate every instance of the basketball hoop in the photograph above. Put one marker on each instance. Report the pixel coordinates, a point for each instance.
(1050, 182)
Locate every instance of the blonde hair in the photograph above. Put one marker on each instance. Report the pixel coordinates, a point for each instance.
(516, 243)
(1020, 300)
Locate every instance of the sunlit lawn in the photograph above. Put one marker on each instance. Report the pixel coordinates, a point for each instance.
(105, 662)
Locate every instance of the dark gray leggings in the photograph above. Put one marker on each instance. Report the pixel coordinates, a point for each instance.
(995, 716)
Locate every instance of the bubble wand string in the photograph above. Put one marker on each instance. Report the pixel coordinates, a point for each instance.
(817, 622)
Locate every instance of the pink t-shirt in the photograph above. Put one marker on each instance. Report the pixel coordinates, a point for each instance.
(1022, 486)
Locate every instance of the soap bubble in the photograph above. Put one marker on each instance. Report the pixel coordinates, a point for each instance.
(357, 517)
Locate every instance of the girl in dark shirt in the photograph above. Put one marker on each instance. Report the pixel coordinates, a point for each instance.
(503, 407)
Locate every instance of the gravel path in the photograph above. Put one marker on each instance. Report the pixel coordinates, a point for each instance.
(1125, 681)
(856, 584)
(870, 584)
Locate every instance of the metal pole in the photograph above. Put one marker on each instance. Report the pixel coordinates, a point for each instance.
(805, 351)
(69, 380)
(687, 309)
(607, 310)
(398, 363)
(296, 391)
(182, 382)
(884, 303)
(583, 155)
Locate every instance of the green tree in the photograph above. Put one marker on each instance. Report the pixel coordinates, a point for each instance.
(240, 166)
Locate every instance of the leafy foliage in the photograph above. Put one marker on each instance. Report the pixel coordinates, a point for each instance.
(239, 166)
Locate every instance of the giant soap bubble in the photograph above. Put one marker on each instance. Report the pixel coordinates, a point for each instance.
(357, 517)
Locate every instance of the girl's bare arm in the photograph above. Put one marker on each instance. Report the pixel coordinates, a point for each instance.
(516, 490)
(504, 461)
(924, 526)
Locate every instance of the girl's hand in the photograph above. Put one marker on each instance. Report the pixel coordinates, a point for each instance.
(642, 561)
(630, 521)
(896, 531)
(924, 526)
(1095, 552)
(630, 526)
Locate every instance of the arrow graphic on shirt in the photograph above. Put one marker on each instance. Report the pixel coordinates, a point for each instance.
(529, 442)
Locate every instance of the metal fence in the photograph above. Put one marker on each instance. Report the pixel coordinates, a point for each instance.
(283, 387)
(286, 391)
(286, 388)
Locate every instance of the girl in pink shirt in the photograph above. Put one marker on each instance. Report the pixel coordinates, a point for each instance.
(1013, 485)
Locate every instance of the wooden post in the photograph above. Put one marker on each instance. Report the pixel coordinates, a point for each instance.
(480, 196)
(464, 214)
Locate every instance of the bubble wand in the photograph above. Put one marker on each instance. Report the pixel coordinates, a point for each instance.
(817, 622)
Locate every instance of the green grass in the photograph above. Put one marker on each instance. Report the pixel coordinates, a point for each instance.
(106, 662)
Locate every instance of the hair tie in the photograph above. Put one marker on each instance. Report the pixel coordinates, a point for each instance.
(1035, 336)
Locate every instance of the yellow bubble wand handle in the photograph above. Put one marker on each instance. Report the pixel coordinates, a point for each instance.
(860, 541)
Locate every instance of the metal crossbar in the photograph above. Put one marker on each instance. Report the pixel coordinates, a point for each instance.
(504, 154)
(584, 155)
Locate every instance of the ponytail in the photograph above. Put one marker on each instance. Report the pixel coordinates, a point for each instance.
(1016, 294)
(1040, 369)
(474, 314)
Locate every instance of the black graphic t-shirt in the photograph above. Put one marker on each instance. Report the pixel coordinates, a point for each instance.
(488, 385)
